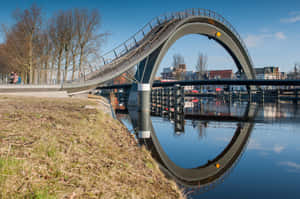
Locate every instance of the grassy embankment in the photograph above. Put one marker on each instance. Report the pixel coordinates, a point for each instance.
(59, 148)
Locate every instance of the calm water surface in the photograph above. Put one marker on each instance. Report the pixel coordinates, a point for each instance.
(264, 141)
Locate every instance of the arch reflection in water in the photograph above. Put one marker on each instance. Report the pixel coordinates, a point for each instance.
(211, 172)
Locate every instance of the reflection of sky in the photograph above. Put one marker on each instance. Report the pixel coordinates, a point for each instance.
(269, 167)
(291, 166)
(192, 148)
(254, 145)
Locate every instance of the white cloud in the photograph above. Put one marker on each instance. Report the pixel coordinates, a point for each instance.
(254, 145)
(294, 17)
(264, 30)
(291, 19)
(278, 149)
(224, 139)
(254, 40)
(294, 13)
(292, 165)
(280, 35)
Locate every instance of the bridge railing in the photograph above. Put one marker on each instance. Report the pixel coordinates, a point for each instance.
(136, 39)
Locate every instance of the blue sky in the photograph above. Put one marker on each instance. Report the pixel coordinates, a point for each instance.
(270, 29)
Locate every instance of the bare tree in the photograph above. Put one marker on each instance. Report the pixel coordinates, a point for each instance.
(297, 65)
(60, 35)
(13, 51)
(30, 46)
(201, 65)
(68, 37)
(46, 50)
(87, 24)
(20, 48)
(28, 27)
(74, 52)
(296, 70)
(5, 67)
(177, 60)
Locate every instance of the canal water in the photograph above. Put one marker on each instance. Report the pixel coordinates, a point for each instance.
(236, 150)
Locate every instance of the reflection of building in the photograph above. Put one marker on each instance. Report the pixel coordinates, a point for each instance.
(120, 80)
(272, 112)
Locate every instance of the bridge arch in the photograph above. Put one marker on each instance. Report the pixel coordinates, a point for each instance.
(149, 45)
(211, 28)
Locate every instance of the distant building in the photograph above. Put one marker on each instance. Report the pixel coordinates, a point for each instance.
(269, 72)
(191, 75)
(283, 75)
(293, 75)
(168, 73)
(217, 74)
(220, 74)
(174, 73)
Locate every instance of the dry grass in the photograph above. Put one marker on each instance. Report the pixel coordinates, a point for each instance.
(57, 148)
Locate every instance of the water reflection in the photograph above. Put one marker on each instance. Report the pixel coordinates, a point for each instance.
(203, 174)
(200, 164)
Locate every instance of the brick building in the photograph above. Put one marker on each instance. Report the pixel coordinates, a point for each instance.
(220, 74)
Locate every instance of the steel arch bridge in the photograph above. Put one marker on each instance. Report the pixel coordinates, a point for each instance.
(148, 46)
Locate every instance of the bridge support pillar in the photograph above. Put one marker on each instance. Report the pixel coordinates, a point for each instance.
(144, 91)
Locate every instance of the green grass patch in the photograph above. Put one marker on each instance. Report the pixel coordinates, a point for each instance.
(9, 166)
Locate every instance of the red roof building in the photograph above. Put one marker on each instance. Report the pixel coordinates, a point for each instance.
(220, 74)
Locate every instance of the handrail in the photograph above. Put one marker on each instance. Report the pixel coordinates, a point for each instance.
(133, 41)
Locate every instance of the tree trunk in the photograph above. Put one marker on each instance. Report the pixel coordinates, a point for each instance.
(34, 76)
(66, 66)
(27, 79)
(30, 62)
(58, 66)
(52, 69)
(80, 63)
(74, 67)
(46, 72)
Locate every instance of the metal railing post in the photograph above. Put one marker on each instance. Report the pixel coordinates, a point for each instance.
(125, 47)
(115, 54)
(103, 60)
(135, 40)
